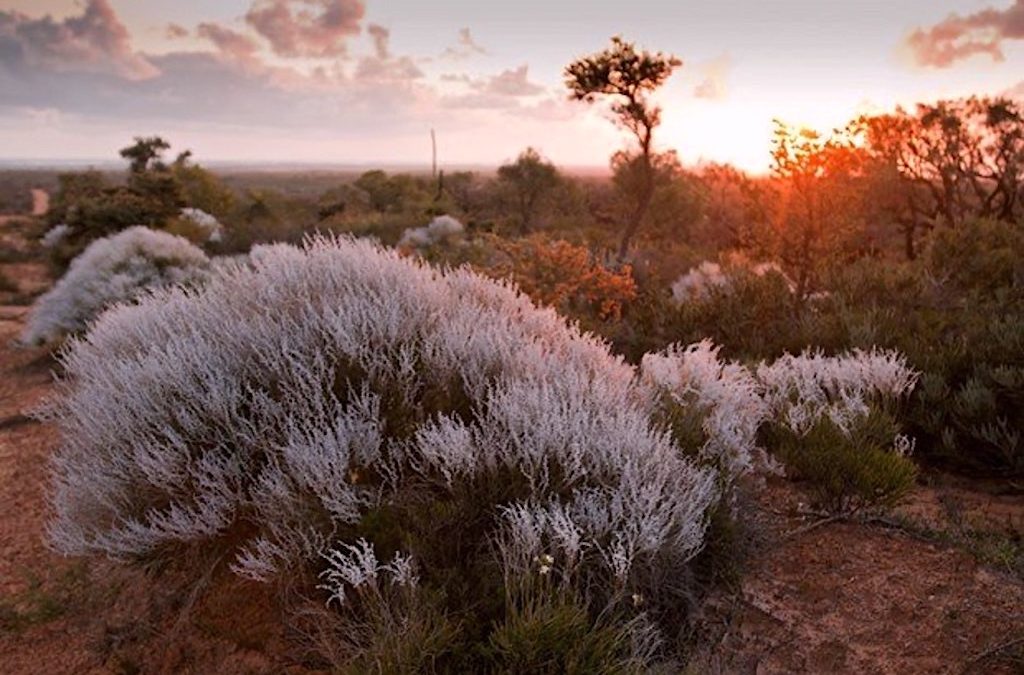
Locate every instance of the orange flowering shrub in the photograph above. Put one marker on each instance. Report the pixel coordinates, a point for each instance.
(565, 276)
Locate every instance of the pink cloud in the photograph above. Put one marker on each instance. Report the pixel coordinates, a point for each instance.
(229, 43)
(94, 41)
(307, 28)
(959, 37)
(466, 47)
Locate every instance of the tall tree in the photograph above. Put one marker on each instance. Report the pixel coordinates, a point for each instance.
(627, 77)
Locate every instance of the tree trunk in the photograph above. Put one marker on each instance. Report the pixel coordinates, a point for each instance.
(640, 212)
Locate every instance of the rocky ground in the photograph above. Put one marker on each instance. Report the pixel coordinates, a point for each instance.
(934, 588)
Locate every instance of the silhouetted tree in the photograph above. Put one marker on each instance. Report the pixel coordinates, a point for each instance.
(145, 152)
(627, 77)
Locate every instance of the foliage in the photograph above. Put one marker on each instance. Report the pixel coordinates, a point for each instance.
(530, 181)
(852, 469)
(558, 274)
(112, 270)
(440, 230)
(324, 395)
(816, 201)
(717, 406)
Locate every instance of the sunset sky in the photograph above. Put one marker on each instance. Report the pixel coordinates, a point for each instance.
(364, 81)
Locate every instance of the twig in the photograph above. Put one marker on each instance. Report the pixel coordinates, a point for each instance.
(990, 652)
(813, 526)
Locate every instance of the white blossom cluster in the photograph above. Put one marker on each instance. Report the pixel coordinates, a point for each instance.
(799, 390)
(296, 391)
(440, 229)
(355, 567)
(206, 223)
(55, 235)
(118, 268)
(725, 395)
(699, 282)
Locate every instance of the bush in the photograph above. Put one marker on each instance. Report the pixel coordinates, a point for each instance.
(717, 406)
(849, 469)
(111, 270)
(830, 425)
(958, 316)
(337, 392)
(565, 276)
(439, 231)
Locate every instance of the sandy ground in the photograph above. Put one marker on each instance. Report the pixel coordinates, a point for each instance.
(840, 598)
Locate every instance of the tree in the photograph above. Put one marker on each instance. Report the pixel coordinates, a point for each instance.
(818, 198)
(627, 77)
(202, 189)
(145, 152)
(530, 180)
(956, 160)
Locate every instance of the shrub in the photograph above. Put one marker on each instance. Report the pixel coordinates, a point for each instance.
(112, 270)
(197, 226)
(716, 405)
(710, 279)
(799, 390)
(830, 426)
(55, 235)
(440, 230)
(337, 392)
(850, 469)
(565, 276)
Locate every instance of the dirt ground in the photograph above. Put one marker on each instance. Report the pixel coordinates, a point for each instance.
(837, 598)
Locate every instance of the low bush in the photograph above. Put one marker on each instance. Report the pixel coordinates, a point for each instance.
(830, 424)
(326, 405)
(111, 270)
(850, 469)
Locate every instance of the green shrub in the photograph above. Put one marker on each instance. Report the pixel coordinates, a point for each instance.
(554, 635)
(848, 471)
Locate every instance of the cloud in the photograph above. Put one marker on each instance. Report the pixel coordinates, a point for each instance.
(230, 85)
(501, 91)
(515, 82)
(94, 41)
(307, 28)
(382, 66)
(714, 83)
(176, 31)
(229, 43)
(381, 37)
(959, 37)
(465, 48)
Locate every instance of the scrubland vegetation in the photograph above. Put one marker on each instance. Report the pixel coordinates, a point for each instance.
(510, 423)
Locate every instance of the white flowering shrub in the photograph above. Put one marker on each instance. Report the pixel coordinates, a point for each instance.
(701, 282)
(441, 229)
(55, 235)
(207, 225)
(799, 390)
(721, 398)
(338, 392)
(831, 422)
(111, 270)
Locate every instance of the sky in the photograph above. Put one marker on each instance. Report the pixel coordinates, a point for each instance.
(364, 81)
